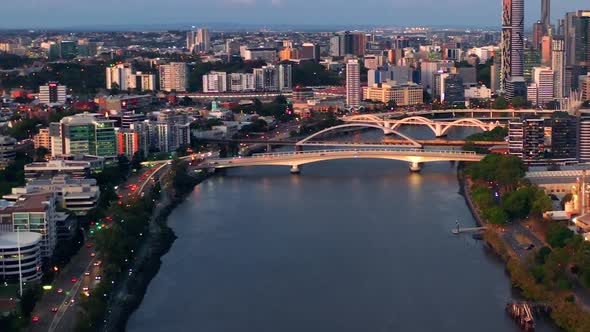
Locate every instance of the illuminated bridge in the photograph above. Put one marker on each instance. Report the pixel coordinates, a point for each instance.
(439, 128)
(415, 157)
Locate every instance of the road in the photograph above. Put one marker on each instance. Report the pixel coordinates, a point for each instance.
(65, 317)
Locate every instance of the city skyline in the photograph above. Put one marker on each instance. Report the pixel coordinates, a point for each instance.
(33, 13)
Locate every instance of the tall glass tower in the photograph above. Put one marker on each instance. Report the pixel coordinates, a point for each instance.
(512, 46)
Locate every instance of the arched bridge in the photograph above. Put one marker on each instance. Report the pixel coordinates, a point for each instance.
(439, 128)
(295, 159)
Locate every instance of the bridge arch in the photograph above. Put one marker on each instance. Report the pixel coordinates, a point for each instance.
(364, 117)
(416, 119)
(475, 122)
(386, 130)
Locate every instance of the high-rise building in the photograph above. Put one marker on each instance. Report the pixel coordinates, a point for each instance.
(546, 49)
(584, 86)
(42, 139)
(83, 134)
(142, 81)
(285, 77)
(348, 43)
(577, 41)
(52, 93)
(68, 49)
(546, 14)
(558, 66)
(543, 80)
(119, 74)
(310, 51)
(526, 139)
(564, 138)
(289, 54)
(584, 138)
(215, 82)
(353, 83)
(538, 33)
(191, 38)
(203, 41)
(532, 59)
(174, 77)
(513, 47)
(453, 90)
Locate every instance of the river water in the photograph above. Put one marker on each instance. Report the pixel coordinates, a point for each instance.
(349, 245)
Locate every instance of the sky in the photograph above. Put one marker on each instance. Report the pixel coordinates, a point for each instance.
(86, 13)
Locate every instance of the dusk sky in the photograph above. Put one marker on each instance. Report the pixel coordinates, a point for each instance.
(64, 13)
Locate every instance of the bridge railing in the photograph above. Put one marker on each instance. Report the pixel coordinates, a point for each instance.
(315, 152)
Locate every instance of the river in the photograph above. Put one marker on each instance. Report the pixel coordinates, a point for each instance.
(349, 245)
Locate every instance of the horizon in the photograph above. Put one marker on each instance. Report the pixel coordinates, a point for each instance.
(112, 13)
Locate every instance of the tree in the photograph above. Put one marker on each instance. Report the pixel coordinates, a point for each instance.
(558, 235)
(496, 216)
(518, 102)
(40, 153)
(500, 103)
(483, 197)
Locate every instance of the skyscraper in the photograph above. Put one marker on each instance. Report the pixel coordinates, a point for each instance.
(52, 93)
(119, 74)
(546, 14)
(353, 83)
(512, 47)
(558, 66)
(203, 42)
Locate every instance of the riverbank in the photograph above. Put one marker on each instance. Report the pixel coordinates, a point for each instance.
(131, 291)
(566, 314)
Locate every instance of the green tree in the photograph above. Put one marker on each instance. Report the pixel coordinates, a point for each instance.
(483, 197)
(40, 153)
(500, 103)
(518, 102)
(558, 235)
(495, 215)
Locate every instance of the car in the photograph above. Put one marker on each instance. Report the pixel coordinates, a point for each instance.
(35, 319)
(59, 291)
(74, 280)
(88, 245)
(92, 254)
(97, 263)
(85, 289)
(98, 277)
(87, 273)
(529, 246)
(54, 309)
(67, 302)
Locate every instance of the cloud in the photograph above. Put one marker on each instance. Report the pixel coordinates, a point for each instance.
(276, 2)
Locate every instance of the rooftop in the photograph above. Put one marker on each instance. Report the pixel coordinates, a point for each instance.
(10, 240)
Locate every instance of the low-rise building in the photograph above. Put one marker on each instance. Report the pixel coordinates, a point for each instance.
(20, 255)
(74, 194)
(32, 213)
(403, 94)
(47, 170)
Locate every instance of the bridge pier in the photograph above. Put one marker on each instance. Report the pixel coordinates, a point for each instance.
(298, 148)
(415, 166)
(295, 169)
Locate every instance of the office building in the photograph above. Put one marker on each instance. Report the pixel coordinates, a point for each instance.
(174, 77)
(543, 81)
(403, 94)
(215, 82)
(310, 51)
(68, 49)
(74, 194)
(7, 150)
(348, 43)
(47, 170)
(52, 93)
(558, 66)
(577, 41)
(268, 55)
(532, 59)
(429, 68)
(118, 76)
(564, 138)
(584, 86)
(512, 80)
(476, 91)
(353, 84)
(546, 51)
(285, 77)
(123, 103)
(83, 134)
(20, 256)
(546, 15)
